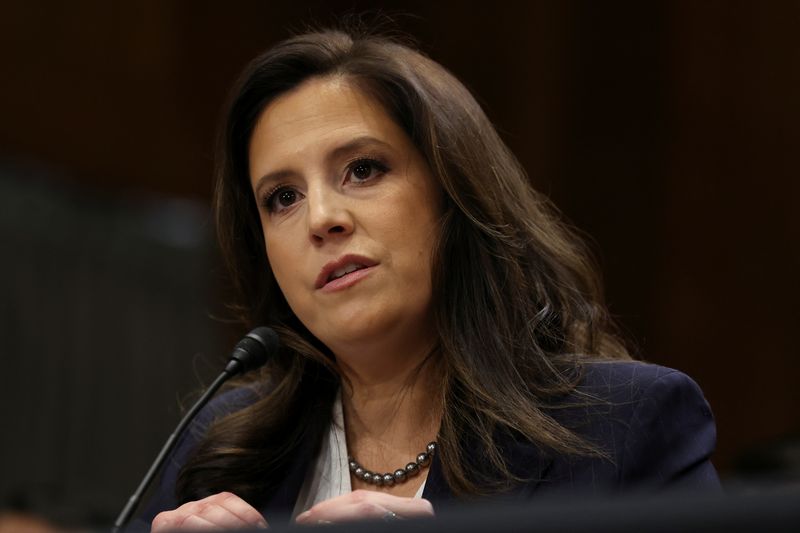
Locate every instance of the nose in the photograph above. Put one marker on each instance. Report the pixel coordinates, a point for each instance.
(328, 216)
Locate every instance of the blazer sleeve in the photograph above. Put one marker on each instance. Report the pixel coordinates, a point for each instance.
(670, 438)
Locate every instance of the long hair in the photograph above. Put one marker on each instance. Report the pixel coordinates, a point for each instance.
(517, 301)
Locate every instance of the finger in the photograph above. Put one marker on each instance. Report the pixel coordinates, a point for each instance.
(240, 508)
(222, 510)
(366, 504)
(161, 522)
(343, 513)
(407, 507)
(173, 520)
(195, 522)
(403, 506)
(361, 511)
(220, 516)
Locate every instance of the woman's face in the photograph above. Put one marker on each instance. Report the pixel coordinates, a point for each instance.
(350, 215)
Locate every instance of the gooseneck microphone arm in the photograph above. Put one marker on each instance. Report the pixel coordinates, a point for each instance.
(250, 353)
(133, 501)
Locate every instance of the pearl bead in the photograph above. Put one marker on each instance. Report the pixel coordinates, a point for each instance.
(398, 476)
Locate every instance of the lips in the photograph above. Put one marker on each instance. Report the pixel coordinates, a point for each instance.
(335, 273)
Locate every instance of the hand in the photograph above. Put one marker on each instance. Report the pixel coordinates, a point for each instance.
(220, 511)
(365, 504)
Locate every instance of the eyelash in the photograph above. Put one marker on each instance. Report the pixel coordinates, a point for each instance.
(376, 165)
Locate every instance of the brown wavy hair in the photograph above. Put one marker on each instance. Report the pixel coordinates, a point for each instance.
(517, 302)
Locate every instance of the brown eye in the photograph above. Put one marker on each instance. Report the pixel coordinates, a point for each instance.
(282, 199)
(287, 197)
(365, 170)
(362, 171)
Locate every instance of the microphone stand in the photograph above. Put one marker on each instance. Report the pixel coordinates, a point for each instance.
(250, 353)
(133, 501)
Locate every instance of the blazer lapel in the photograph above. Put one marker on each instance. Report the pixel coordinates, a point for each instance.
(279, 506)
(436, 489)
(525, 460)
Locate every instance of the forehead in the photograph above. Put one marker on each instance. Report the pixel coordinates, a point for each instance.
(316, 116)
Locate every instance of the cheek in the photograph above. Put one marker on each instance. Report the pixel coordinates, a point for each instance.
(282, 261)
(411, 241)
(420, 229)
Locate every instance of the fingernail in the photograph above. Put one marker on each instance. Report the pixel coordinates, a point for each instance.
(302, 516)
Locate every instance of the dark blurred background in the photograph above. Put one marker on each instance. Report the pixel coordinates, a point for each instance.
(668, 131)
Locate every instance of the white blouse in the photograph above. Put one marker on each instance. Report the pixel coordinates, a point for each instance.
(329, 475)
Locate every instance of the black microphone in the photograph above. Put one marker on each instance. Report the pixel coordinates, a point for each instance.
(250, 353)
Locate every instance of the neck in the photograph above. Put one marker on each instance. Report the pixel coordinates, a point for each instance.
(392, 410)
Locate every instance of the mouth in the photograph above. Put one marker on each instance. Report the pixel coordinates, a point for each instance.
(343, 272)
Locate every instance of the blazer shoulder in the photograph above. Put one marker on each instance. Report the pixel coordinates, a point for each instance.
(621, 380)
(671, 433)
(227, 403)
(653, 423)
(611, 393)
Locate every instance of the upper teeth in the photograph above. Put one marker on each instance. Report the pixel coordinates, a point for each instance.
(339, 272)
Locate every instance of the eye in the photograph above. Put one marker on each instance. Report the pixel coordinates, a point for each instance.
(282, 198)
(363, 169)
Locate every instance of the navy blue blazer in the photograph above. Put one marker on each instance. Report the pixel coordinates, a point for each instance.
(652, 421)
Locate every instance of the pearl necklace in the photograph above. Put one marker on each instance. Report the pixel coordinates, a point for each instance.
(401, 475)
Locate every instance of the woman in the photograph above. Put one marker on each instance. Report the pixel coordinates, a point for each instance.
(443, 334)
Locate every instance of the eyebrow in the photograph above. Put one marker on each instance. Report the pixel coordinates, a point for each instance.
(359, 143)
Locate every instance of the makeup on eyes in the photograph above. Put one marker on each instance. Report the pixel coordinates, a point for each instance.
(376, 165)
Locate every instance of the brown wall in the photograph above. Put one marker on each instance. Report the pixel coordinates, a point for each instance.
(669, 132)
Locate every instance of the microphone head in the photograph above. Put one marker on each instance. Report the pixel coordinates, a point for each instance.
(253, 350)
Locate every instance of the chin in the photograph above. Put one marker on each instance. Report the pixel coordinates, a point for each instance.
(352, 334)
